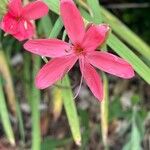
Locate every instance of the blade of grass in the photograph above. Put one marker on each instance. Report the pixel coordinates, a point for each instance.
(122, 50)
(35, 102)
(5, 116)
(71, 111)
(84, 5)
(45, 25)
(9, 89)
(56, 28)
(94, 5)
(104, 113)
(134, 141)
(85, 122)
(54, 144)
(53, 5)
(126, 33)
(27, 77)
(57, 102)
(20, 120)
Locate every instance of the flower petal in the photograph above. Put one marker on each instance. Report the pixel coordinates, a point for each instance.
(53, 71)
(95, 36)
(25, 30)
(35, 10)
(9, 24)
(72, 20)
(111, 64)
(15, 8)
(48, 47)
(92, 79)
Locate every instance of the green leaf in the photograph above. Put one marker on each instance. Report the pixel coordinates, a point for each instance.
(105, 112)
(53, 144)
(121, 49)
(35, 102)
(126, 34)
(134, 142)
(94, 5)
(85, 121)
(20, 121)
(71, 111)
(53, 5)
(27, 77)
(45, 25)
(56, 28)
(5, 116)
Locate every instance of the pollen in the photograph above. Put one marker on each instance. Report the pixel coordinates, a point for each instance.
(78, 49)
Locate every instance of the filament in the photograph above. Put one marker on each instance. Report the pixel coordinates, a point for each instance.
(81, 81)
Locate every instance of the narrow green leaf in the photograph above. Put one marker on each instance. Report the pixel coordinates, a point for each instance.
(5, 116)
(71, 111)
(134, 142)
(135, 137)
(94, 5)
(45, 25)
(126, 34)
(35, 102)
(122, 50)
(53, 144)
(27, 77)
(56, 28)
(104, 112)
(85, 121)
(20, 121)
(9, 88)
(57, 103)
(53, 5)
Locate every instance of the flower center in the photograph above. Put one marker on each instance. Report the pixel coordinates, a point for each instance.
(78, 49)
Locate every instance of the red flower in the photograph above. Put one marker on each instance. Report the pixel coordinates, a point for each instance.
(83, 48)
(17, 20)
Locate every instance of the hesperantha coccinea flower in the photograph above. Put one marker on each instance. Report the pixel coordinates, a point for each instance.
(83, 48)
(18, 19)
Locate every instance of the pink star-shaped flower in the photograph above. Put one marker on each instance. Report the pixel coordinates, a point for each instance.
(17, 20)
(83, 48)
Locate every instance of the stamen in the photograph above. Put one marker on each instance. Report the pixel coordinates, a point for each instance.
(81, 81)
(45, 59)
(78, 49)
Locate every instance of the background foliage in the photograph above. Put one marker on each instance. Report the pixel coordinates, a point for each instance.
(52, 119)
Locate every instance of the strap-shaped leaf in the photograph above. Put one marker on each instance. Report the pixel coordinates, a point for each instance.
(71, 111)
(126, 34)
(4, 115)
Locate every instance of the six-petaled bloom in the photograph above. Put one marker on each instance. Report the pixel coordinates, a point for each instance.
(18, 19)
(82, 47)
